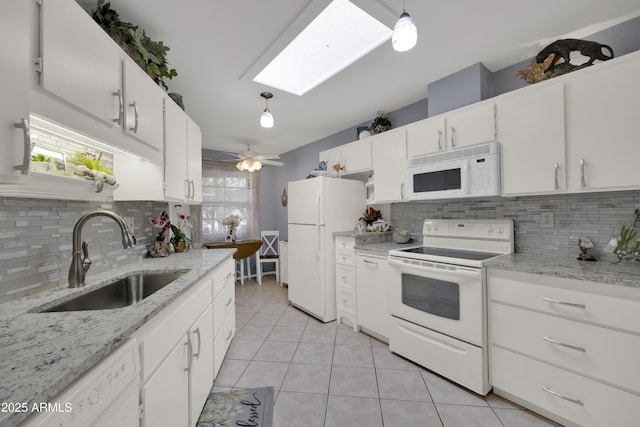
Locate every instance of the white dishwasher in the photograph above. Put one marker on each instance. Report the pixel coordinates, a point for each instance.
(107, 395)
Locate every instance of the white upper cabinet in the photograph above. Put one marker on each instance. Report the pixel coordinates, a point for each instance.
(427, 136)
(531, 124)
(80, 63)
(471, 125)
(389, 152)
(15, 60)
(143, 106)
(603, 126)
(183, 156)
(475, 124)
(356, 156)
(331, 156)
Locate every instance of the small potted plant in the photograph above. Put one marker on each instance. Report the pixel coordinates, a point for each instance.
(380, 124)
(40, 163)
(179, 239)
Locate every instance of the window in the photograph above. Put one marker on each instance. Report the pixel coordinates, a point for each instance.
(227, 191)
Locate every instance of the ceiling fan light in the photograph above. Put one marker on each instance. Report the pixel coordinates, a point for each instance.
(239, 166)
(405, 33)
(266, 119)
(257, 165)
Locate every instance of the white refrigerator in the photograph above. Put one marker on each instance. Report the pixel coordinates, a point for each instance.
(318, 207)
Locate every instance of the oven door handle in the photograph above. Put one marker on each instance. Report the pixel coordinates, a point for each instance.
(427, 267)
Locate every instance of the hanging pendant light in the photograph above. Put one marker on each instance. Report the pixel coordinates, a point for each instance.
(266, 118)
(405, 33)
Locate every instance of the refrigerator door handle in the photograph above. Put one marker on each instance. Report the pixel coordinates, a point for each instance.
(318, 249)
(318, 208)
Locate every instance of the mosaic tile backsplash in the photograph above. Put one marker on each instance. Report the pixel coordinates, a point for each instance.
(595, 215)
(36, 241)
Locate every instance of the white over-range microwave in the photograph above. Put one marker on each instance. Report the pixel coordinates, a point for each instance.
(467, 172)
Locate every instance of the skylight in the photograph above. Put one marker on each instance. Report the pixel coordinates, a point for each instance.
(340, 35)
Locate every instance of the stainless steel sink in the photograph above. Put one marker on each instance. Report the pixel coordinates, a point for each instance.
(121, 293)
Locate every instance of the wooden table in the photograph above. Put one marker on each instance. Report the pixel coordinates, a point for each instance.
(245, 248)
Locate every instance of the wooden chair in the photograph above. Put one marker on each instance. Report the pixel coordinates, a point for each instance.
(269, 253)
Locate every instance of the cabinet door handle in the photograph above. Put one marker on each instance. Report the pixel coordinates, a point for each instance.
(26, 154)
(228, 276)
(439, 139)
(366, 261)
(133, 105)
(570, 304)
(118, 120)
(402, 190)
(229, 302)
(556, 184)
(197, 353)
(229, 336)
(453, 134)
(189, 353)
(572, 347)
(572, 400)
(583, 181)
(193, 189)
(187, 189)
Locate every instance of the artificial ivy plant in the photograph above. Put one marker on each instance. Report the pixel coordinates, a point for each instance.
(150, 55)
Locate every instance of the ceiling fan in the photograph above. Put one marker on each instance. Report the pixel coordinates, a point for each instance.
(250, 161)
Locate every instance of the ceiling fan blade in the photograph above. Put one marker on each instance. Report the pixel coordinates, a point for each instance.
(272, 162)
(238, 155)
(267, 157)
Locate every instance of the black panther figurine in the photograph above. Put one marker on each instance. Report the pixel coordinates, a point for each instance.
(562, 49)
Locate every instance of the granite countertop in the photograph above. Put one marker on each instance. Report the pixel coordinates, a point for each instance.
(622, 274)
(42, 353)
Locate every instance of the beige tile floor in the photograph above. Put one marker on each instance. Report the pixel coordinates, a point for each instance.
(329, 375)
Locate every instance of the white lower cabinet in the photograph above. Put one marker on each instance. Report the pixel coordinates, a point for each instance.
(372, 294)
(565, 348)
(179, 354)
(224, 312)
(346, 281)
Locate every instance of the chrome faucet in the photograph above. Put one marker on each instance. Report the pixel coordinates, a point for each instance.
(80, 261)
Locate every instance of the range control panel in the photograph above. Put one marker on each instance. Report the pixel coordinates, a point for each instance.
(469, 229)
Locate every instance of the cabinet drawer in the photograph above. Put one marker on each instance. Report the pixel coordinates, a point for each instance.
(346, 276)
(597, 352)
(161, 334)
(346, 301)
(222, 276)
(555, 296)
(595, 404)
(223, 340)
(222, 306)
(345, 258)
(345, 243)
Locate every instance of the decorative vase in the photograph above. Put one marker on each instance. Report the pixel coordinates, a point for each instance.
(180, 246)
(159, 249)
(231, 235)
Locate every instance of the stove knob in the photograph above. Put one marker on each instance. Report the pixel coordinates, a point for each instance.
(500, 230)
(491, 228)
(436, 227)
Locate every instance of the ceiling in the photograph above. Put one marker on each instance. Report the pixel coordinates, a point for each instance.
(218, 46)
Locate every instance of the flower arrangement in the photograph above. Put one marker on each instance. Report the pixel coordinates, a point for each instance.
(338, 168)
(232, 221)
(370, 216)
(627, 246)
(163, 223)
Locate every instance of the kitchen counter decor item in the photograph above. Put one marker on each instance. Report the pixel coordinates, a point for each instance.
(380, 124)
(231, 222)
(401, 236)
(585, 244)
(363, 132)
(626, 242)
(160, 248)
(179, 239)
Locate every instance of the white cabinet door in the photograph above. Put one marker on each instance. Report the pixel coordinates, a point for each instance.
(532, 141)
(426, 137)
(371, 294)
(356, 156)
(17, 69)
(166, 393)
(175, 152)
(389, 165)
(143, 107)
(201, 374)
(194, 161)
(331, 156)
(603, 127)
(472, 125)
(81, 63)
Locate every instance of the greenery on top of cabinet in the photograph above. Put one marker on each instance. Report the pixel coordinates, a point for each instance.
(150, 55)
